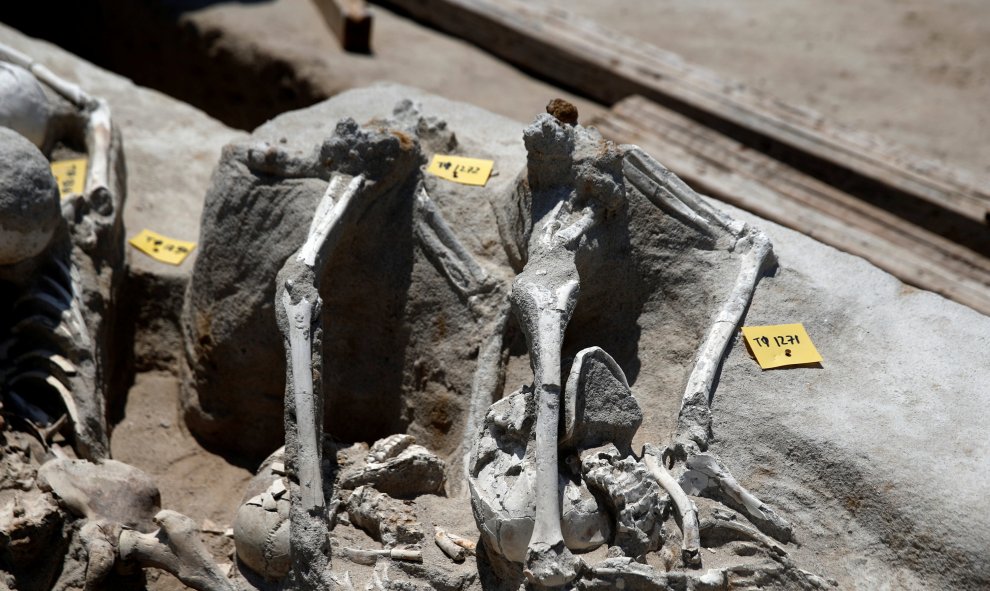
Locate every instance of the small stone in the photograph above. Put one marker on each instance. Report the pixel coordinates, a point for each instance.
(277, 489)
(563, 111)
(209, 527)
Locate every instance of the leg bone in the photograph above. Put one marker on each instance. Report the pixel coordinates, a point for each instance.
(176, 548)
(671, 194)
(300, 315)
(545, 309)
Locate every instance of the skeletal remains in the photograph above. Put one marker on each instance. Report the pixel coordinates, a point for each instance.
(60, 263)
(551, 469)
(527, 457)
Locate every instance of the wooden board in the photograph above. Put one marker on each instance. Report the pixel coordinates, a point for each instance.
(727, 170)
(607, 66)
(350, 21)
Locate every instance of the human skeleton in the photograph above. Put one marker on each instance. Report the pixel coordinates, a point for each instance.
(576, 180)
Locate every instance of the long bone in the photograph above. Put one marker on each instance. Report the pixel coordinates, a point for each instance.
(175, 548)
(484, 295)
(543, 297)
(298, 306)
(446, 251)
(691, 538)
(671, 194)
(574, 180)
(705, 475)
(544, 308)
(96, 111)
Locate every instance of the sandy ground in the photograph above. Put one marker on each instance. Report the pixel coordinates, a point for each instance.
(912, 71)
(915, 72)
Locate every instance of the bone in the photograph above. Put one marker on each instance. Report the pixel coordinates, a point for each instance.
(672, 195)
(454, 551)
(98, 136)
(67, 89)
(176, 548)
(53, 383)
(300, 323)
(574, 176)
(501, 479)
(370, 557)
(691, 538)
(410, 472)
(261, 533)
(446, 251)
(706, 476)
(385, 519)
(463, 542)
(488, 380)
(24, 108)
(631, 496)
(335, 211)
(300, 349)
(694, 421)
(544, 311)
(485, 296)
(389, 447)
(721, 527)
(101, 552)
(110, 491)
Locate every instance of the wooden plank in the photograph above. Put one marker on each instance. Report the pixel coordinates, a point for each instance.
(350, 21)
(727, 170)
(580, 55)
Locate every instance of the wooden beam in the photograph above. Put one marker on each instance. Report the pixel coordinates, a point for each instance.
(578, 54)
(729, 171)
(350, 21)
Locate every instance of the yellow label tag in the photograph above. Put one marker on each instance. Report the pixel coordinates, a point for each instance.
(781, 345)
(162, 248)
(467, 171)
(70, 176)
